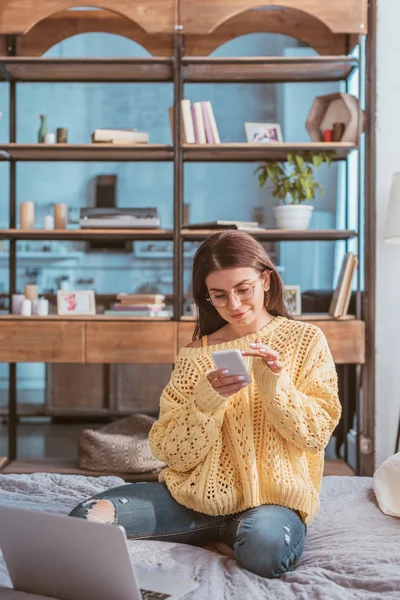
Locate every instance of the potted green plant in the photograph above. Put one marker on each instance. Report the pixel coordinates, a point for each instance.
(293, 184)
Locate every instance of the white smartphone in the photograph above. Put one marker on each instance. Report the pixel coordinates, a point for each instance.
(233, 361)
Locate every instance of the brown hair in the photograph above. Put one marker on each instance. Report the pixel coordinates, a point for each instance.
(226, 250)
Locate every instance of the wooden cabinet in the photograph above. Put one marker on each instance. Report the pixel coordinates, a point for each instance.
(41, 341)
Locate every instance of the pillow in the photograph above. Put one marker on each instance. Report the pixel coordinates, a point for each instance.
(387, 486)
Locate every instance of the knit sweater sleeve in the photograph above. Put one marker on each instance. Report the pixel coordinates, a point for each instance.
(304, 414)
(191, 416)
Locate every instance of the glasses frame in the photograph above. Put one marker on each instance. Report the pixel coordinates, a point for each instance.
(251, 284)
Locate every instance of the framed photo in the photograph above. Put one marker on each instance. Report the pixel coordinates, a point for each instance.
(263, 133)
(78, 303)
(292, 296)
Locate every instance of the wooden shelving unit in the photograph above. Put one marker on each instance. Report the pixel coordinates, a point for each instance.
(332, 28)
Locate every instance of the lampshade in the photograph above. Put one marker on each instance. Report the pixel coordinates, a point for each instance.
(392, 233)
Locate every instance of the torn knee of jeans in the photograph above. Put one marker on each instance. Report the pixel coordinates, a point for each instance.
(100, 510)
(287, 535)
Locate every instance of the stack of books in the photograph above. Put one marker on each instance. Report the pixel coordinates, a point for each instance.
(249, 226)
(119, 218)
(121, 137)
(341, 297)
(199, 126)
(139, 305)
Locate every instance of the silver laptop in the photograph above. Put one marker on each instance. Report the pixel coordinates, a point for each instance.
(74, 559)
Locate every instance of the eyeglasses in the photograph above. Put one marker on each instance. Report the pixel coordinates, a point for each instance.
(244, 291)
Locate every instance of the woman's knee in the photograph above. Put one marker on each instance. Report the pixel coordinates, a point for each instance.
(269, 547)
(99, 510)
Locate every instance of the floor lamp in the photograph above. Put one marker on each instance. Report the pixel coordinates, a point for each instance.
(392, 235)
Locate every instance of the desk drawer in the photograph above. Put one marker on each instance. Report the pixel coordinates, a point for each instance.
(130, 342)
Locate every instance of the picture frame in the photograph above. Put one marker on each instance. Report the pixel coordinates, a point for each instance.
(76, 302)
(263, 133)
(292, 297)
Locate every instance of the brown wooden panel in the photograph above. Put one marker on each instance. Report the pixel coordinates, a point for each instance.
(153, 16)
(294, 23)
(130, 342)
(65, 24)
(346, 338)
(341, 16)
(41, 341)
(76, 386)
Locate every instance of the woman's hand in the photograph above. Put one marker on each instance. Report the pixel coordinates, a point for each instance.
(224, 383)
(270, 357)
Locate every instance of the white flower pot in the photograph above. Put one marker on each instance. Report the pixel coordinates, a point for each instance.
(293, 216)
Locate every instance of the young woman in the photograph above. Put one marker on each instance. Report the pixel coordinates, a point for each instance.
(244, 461)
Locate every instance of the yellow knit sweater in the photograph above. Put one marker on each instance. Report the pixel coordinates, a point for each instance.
(263, 445)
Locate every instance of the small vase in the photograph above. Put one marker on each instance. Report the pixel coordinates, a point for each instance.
(44, 129)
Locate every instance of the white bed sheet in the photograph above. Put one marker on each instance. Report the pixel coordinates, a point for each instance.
(352, 550)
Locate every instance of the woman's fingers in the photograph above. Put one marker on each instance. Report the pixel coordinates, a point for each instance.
(265, 353)
(276, 366)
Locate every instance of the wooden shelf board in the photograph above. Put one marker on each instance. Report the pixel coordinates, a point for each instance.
(86, 152)
(86, 234)
(279, 234)
(250, 152)
(85, 318)
(87, 70)
(69, 467)
(267, 69)
(303, 317)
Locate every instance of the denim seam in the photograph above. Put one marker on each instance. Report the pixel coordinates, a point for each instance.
(181, 532)
(293, 553)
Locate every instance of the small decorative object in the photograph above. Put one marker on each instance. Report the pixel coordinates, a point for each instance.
(50, 138)
(264, 133)
(42, 307)
(48, 222)
(26, 307)
(60, 216)
(31, 292)
(62, 135)
(34, 306)
(292, 296)
(16, 303)
(338, 131)
(27, 215)
(43, 130)
(293, 183)
(76, 302)
(328, 135)
(334, 108)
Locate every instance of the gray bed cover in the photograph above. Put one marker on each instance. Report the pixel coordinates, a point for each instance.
(352, 549)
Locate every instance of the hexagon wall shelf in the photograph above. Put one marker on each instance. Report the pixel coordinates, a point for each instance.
(330, 109)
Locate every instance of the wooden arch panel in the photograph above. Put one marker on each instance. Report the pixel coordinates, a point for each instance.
(294, 23)
(339, 16)
(67, 23)
(153, 16)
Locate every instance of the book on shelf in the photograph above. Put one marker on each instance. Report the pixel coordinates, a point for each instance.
(126, 298)
(198, 123)
(341, 296)
(241, 225)
(119, 136)
(138, 313)
(119, 218)
(122, 306)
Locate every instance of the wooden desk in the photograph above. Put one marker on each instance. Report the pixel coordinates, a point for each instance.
(110, 340)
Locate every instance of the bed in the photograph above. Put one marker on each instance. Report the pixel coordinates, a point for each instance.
(352, 549)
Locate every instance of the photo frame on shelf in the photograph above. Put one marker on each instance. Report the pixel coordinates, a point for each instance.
(292, 297)
(76, 303)
(263, 133)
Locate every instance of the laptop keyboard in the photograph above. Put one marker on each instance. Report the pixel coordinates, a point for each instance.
(150, 595)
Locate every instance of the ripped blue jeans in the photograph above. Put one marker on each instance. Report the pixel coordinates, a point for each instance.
(266, 540)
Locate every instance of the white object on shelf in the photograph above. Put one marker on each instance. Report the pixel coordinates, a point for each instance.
(293, 216)
(48, 222)
(26, 307)
(42, 309)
